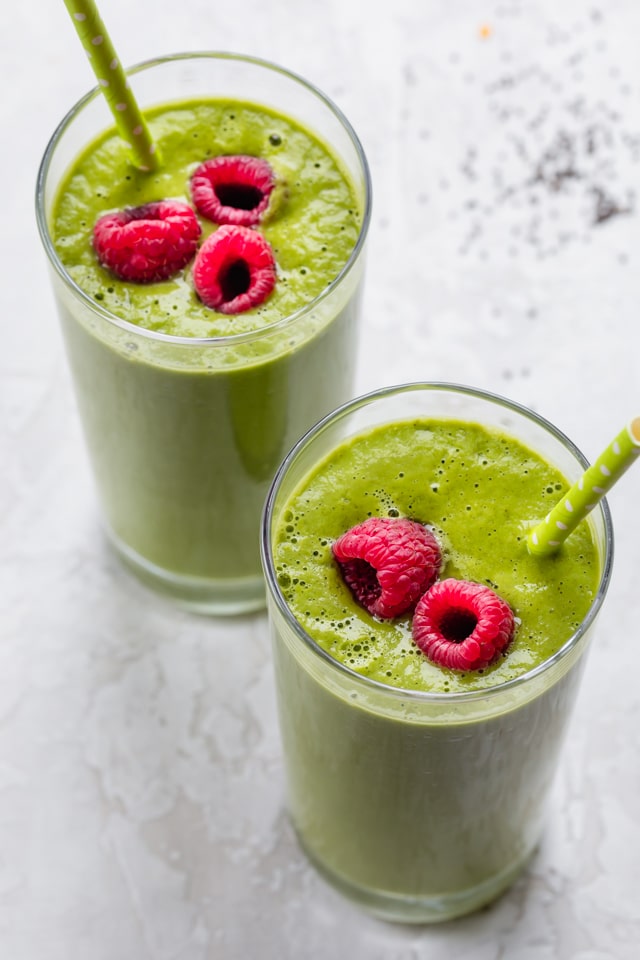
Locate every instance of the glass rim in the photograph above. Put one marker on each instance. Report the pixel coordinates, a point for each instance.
(220, 340)
(423, 696)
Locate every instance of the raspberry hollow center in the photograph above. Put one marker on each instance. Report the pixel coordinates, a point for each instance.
(456, 625)
(235, 280)
(239, 196)
(363, 581)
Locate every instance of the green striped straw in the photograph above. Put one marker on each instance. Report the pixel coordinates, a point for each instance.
(113, 82)
(583, 496)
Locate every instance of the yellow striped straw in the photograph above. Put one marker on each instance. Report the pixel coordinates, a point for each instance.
(546, 537)
(113, 82)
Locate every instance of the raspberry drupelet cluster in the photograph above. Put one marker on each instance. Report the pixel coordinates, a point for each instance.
(391, 567)
(388, 563)
(234, 269)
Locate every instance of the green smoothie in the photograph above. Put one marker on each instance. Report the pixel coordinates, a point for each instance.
(312, 224)
(473, 487)
(418, 789)
(187, 411)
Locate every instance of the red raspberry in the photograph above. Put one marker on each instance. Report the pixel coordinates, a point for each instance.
(233, 189)
(234, 270)
(462, 625)
(148, 243)
(388, 563)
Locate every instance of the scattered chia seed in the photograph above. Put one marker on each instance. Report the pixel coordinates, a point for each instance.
(559, 160)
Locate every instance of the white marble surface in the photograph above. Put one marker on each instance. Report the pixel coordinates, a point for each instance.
(141, 796)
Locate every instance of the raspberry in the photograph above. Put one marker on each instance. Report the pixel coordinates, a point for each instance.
(234, 270)
(148, 243)
(233, 189)
(388, 563)
(462, 625)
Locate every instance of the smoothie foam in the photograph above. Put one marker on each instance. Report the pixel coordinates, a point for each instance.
(478, 490)
(312, 223)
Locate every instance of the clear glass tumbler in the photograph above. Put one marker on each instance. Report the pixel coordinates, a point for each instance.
(184, 434)
(421, 806)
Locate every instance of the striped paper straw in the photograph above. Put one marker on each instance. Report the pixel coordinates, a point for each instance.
(113, 82)
(583, 496)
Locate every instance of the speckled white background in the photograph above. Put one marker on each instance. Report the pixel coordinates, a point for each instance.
(141, 798)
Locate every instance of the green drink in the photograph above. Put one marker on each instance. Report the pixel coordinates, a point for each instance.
(417, 789)
(187, 411)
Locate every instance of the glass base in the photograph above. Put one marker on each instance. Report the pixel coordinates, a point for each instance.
(403, 908)
(197, 594)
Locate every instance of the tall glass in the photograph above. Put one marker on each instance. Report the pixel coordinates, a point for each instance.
(184, 434)
(421, 806)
